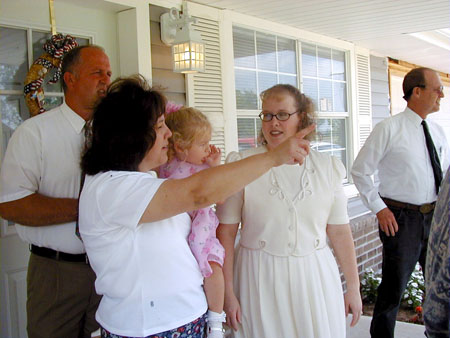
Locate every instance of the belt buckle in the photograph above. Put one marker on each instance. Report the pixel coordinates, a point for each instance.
(426, 208)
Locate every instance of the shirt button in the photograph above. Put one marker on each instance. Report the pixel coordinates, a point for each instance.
(291, 209)
(291, 227)
(290, 245)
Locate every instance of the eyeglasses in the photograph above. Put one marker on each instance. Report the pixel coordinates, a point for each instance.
(281, 116)
(439, 90)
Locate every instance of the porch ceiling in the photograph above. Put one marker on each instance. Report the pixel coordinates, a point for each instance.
(383, 26)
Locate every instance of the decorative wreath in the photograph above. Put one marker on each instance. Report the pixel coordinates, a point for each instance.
(55, 48)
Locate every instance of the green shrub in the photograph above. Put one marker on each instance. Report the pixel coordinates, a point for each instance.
(414, 293)
(369, 284)
(415, 289)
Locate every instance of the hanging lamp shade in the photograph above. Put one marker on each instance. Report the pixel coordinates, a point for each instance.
(188, 52)
(188, 48)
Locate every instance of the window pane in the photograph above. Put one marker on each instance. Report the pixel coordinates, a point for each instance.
(266, 52)
(331, 138)
(324, 55)
(338, 127)
(339, 97)
(82, 41)
(288, 79)
(286, 56)
(309, 60)
(325, 96)
(246, 96)
(324, 135)
(244, 48)
(338, 65)
(248, 129)
(332, 93)
(13, 111)
(310, 89)
(13, 58)
(266, 80)
(51, 102)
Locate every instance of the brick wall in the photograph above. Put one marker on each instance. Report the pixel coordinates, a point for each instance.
(368, 246)
(367, 242)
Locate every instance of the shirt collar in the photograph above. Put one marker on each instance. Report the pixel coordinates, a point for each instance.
(413, 117)
(74, 119)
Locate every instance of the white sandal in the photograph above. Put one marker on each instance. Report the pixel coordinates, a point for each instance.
(214, 327)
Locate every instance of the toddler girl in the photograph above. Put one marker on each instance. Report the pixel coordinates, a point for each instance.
(190, 152)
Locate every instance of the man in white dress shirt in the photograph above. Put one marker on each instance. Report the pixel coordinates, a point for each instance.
(404, 200)
(40, 183)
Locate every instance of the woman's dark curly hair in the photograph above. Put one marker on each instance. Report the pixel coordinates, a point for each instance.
(123, 126)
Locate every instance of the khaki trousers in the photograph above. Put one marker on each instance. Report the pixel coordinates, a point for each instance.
(61, 299)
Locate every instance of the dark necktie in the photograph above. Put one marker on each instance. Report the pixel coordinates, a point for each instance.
(435, 163)
(87, 129)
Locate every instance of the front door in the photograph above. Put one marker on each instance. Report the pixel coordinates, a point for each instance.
(14, 256)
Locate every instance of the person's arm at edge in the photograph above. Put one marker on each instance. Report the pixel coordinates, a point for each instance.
(226, 234)
(40, 210)
(216, 184)
(342, 242)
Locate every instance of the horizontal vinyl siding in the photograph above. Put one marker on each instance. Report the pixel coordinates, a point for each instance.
(379, 88)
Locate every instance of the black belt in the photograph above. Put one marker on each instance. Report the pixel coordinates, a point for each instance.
(58, 255)
(424, 208)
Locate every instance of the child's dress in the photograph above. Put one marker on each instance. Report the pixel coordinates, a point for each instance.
(202, 240)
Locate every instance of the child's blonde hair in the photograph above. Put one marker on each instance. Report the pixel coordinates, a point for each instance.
(187, 125)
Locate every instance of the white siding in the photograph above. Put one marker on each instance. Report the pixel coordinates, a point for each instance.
(379, 88)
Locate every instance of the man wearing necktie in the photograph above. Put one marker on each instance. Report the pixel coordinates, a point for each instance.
(40, 185)
(410, 152)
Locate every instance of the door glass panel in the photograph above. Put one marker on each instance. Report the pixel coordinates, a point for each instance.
(13, 58)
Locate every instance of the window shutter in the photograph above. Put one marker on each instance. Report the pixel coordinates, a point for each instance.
(205, 89)
(363, 98)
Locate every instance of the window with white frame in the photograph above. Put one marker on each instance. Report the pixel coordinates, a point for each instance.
(324, 80)
(19, 47)
(262, 60)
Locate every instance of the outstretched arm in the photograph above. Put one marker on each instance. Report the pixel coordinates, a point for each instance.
(216, 184)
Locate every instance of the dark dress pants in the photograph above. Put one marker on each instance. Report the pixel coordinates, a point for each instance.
(61, 299)
(400, 255)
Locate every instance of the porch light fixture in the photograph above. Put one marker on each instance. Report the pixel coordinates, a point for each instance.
(188, 49)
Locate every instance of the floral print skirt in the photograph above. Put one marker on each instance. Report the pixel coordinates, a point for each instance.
(194, 329)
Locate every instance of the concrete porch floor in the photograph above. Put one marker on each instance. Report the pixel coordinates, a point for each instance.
(402, 329)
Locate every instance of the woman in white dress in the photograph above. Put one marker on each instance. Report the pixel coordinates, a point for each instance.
(282, 280)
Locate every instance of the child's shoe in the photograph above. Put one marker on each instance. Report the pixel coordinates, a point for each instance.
(214, 327)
